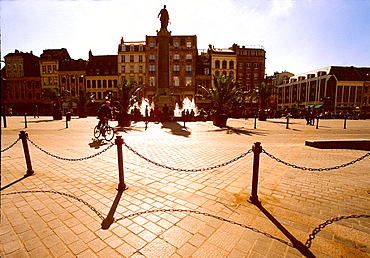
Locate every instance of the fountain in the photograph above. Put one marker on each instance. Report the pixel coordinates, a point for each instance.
(187, 104)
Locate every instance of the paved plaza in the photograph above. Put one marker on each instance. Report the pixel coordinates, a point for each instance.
(188, 190)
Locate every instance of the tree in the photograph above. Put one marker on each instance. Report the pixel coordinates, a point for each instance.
(223, 94)
(84, 98)
(57, 97)
(127, 96)
(262, 93)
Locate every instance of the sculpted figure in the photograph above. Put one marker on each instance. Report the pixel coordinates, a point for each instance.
(164, 17)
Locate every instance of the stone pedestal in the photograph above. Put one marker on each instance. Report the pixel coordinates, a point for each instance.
(163, 94)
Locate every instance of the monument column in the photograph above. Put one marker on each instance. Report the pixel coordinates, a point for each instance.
(163, 94)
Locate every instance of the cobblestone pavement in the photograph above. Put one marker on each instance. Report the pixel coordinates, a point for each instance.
(188, 191)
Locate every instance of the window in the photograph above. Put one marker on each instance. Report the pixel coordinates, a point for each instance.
(132, 48)
(248, 76)
(151, 44)
(217, 64)
(256, 53)
(188, 44)
(249, 53)
(188, 69)
(49, 68)
(109, 83)
(255, 76)
(231, 65)
(141, 48)
(240, 53)
(224, 64)
(151, 68)
(176, 57)
(140, 68)
(217, 73)
(123, 70)
(140, 58)
(141, 79)
(43, 69)
(151, 57)
(151, 81)
(99, 83)
(224, 74)
(176, 68)
(255, 65)
(176, 44)
(94, 84)
(104, 83)
(231, 74)
(123, 48)
(54, 67)
(131, 68)
(248, 65)
(132, 79)
(188, 81)
(88, 85)
(132, 58)
(188, 57)
(206, 71)
(100, 96)
(240, 66)
(123, 59)
(176, 81)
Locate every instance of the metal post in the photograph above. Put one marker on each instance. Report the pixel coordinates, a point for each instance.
(25, 120)
(66, 122)
(287, 122)
(345, 123)
(257, 149)
(317, 122)
(4, 119)
(255, 122)
(121, 185)
(23, 136)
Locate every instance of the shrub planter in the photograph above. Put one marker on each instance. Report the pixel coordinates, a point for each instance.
(124, 120)
(220, 120)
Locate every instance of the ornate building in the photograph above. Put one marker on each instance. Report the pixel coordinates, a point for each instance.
(21, 83)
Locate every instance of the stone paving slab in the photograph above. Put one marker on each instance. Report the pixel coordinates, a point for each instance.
(60, 210)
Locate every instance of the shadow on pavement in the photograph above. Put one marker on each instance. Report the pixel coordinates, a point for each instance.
(96, 143)
(176, 129)
(236, 130)
(110, 218)
(40, 121)
(296, 243)
(12, 183)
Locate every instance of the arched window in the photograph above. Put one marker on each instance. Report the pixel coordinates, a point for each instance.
(217, 64)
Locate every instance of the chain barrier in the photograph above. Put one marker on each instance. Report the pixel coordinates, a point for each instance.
(187, 170)
(316, 169)
(63, 194)
(328, 222)
(69, 159)
(208, 215)
(11, 145)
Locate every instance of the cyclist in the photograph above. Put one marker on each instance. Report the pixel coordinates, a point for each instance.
(104, 113)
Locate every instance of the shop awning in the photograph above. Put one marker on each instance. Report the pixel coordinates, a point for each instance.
(318, 106)
(310, 106)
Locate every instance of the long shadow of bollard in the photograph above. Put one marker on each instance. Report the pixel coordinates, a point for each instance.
(110, 219)
(296, 243)
(12, 183)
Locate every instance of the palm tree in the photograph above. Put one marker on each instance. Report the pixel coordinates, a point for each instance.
(84, 98)
(57, 97)
(262, 92)
(223, 94)
(127, 96)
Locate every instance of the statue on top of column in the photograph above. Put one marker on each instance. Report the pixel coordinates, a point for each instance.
(164, 17)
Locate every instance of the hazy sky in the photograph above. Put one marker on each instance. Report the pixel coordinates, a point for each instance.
(298, 35)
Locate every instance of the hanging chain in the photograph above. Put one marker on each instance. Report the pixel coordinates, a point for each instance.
(204, 214)
(11, 145)
(100, 215)
(70, 159)
(187, 170)
(316, 169)
(328, 222)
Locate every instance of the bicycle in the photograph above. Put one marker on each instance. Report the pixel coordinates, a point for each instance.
(105, 130)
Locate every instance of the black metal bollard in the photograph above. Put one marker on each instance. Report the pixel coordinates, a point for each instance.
(257, 149)
(25, 120)
(23, 136)
(255, 122)
(345, 123)
(121, 185)
(287, 122)
(317, 122)
(4, 120)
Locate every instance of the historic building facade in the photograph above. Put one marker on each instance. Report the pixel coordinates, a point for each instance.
(101, 76)
(333, 88)
(21, 83)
